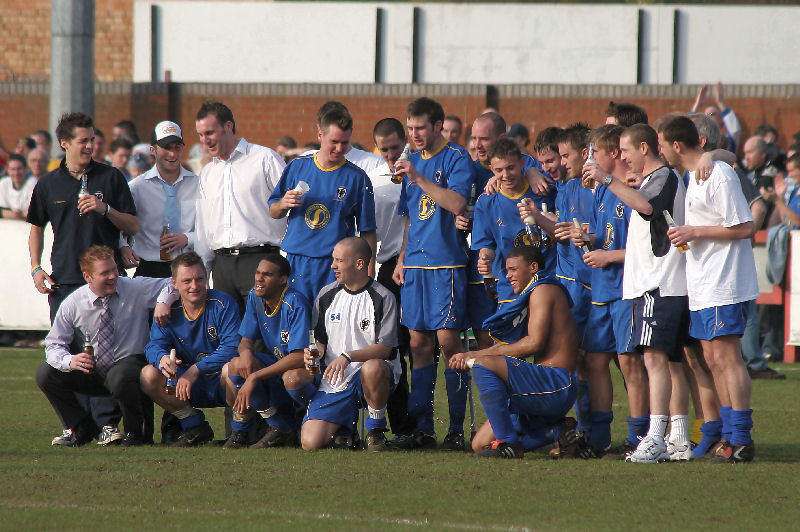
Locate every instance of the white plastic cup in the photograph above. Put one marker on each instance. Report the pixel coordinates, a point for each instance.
(302, 187)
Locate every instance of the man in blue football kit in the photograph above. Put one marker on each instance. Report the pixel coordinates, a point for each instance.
(203, 328)
(338, 201)
(526, 402)
(497, 227)
(437, 180)
(281, 317)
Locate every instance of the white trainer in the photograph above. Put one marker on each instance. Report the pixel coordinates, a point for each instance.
(679, 451)
(109, 435)
(649, 451)
(66, 439)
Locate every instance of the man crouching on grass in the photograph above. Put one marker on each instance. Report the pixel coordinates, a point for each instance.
(526, 402)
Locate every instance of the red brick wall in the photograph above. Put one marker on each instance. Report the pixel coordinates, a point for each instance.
(265, 112)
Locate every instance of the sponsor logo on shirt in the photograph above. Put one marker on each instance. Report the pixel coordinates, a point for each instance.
(317, 216)
(277, 352)
(426, 207)
(609, 236)
(523, 239)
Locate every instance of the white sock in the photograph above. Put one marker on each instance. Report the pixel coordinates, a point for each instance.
(376, 414)
(677, 431)
(658, 426)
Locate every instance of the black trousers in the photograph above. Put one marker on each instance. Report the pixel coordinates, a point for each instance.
(397, 406)
(148, 268)
(121, 383)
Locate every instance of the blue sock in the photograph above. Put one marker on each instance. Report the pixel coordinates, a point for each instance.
(376, 419)
(420, 398)
(727, 429)
(241, 427)
(282, 422)
(494, 398)
(600, 435)
(712, 433)
(457, 383)
(637, 428)
(741, 423)
(303, 394)
(583, 407)
(193, 420)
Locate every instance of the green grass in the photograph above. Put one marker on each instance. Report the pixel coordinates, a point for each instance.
(46, 488)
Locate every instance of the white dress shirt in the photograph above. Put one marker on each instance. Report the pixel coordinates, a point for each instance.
(232, 210)
(16, 200)
(363, 159)
(148, 194)
(130, 306)
(390, 225)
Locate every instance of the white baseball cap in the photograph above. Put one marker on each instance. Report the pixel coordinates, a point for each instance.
(167, 132)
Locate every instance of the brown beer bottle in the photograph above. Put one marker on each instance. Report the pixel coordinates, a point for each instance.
(314, 366)
(165, 255)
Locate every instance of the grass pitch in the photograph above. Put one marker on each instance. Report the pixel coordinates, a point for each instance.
(146, 488)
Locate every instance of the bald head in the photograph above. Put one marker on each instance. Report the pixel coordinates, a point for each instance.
(356, 247)
(755, 153)
(495, 122)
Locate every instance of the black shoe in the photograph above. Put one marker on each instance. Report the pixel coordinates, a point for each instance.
(417, 440)
(454, 441)
(276, 438)
(620, 451)
(376, 440)
(767, 373)
(197, 435)
(348, 442)
(570, 440)
(501, 449)
(134, 440)
(237, 440)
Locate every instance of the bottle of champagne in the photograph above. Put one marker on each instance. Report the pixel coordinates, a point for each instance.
(172, 380)
(84, 191)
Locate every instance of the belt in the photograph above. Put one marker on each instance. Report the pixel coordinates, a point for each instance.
(233, 252)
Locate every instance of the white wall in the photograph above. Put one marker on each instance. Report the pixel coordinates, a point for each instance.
(492, 43)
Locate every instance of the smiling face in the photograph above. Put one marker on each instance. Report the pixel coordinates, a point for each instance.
(484, 137)
(509, 171)
(334, 143)
(190, 282)
(551, 163)
(631, 155)
(78, 149)
(572, 159)
(519, 273)
(217, 138)
(168, 159)
(102, 277)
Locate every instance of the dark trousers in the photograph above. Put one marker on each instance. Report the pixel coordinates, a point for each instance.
(121, 384)
(234, 274)
(397, 406)
(160, 270)
(104, 409)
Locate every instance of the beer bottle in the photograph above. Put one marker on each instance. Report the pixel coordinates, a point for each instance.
(84, 191)
(165, 255)
(314, 366)
(589, 160)
(88, 348)
(172, 380)
(491, 285)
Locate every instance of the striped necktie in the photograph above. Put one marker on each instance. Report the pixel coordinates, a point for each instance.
(104, 353)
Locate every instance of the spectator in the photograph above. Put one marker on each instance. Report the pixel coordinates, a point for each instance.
(452, 129)
(125, 129)
(722, 115)
(625, 114)
(519, 134)
(16, 189)
(119, 154)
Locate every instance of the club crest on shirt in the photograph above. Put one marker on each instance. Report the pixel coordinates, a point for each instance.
(427, 206)
(437, 176)
(523, 239)
(609, 236)
(99, 195)
(364, 325)
(212, 332)
(317, 216)
(341, 192)
(284, 337)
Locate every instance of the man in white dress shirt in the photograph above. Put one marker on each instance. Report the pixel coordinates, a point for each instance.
(234, 228)
(165, 196)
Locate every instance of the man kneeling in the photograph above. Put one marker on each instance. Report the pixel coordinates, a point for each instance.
(204, 330)
(526, 402)
(355, 326)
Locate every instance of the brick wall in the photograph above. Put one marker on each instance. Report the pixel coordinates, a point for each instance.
(265, 112)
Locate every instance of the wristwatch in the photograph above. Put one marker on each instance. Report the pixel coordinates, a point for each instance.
(607, 180)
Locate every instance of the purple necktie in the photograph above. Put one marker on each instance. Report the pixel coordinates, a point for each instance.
(104, 353)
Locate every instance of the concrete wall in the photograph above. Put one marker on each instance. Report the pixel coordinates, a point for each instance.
(497, 43)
